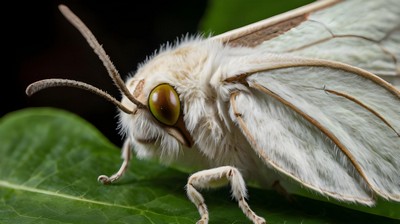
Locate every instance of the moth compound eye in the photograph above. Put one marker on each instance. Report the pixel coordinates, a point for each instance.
(164, 104)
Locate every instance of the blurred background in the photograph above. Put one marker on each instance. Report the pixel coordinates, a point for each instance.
(39, 43)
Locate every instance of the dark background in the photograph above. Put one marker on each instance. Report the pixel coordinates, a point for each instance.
(40, 43)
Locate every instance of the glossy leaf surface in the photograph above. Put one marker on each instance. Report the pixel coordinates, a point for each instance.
(50, 159)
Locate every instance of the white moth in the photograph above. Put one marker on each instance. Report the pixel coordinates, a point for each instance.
(296, 102)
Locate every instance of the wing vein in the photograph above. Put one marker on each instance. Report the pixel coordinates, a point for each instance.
(355, 100)
(317, 124)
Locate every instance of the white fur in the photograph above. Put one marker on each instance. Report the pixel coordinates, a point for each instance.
(198, 68)
(275, 143)
(189, 69)
(285, 118)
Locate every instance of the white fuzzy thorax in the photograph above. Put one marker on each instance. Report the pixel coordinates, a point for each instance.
(268, 140)
(195, 67)
(295, 102)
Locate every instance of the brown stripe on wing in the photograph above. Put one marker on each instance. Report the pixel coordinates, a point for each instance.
(256, 33)
(256, 37)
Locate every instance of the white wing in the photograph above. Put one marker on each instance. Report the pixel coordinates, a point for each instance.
(331, 127)
(362, 33)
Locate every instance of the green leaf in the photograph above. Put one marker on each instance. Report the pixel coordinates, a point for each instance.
(50, 160)
(48, 168)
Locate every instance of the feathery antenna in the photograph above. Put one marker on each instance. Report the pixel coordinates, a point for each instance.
(98, 49)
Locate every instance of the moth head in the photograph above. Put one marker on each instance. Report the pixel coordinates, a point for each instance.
(151, 110)
(158, 127)
(168, 89)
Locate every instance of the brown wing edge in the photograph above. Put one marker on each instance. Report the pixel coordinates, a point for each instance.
(317, 63)
(367, 201)
(256, 33)
(299, 62)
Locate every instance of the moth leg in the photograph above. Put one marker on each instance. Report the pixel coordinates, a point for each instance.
(218, 177)
(126, 155)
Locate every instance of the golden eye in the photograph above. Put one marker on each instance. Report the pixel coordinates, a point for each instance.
(164, 104)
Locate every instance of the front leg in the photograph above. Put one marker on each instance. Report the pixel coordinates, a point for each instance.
(214, 178)
(126, 156)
